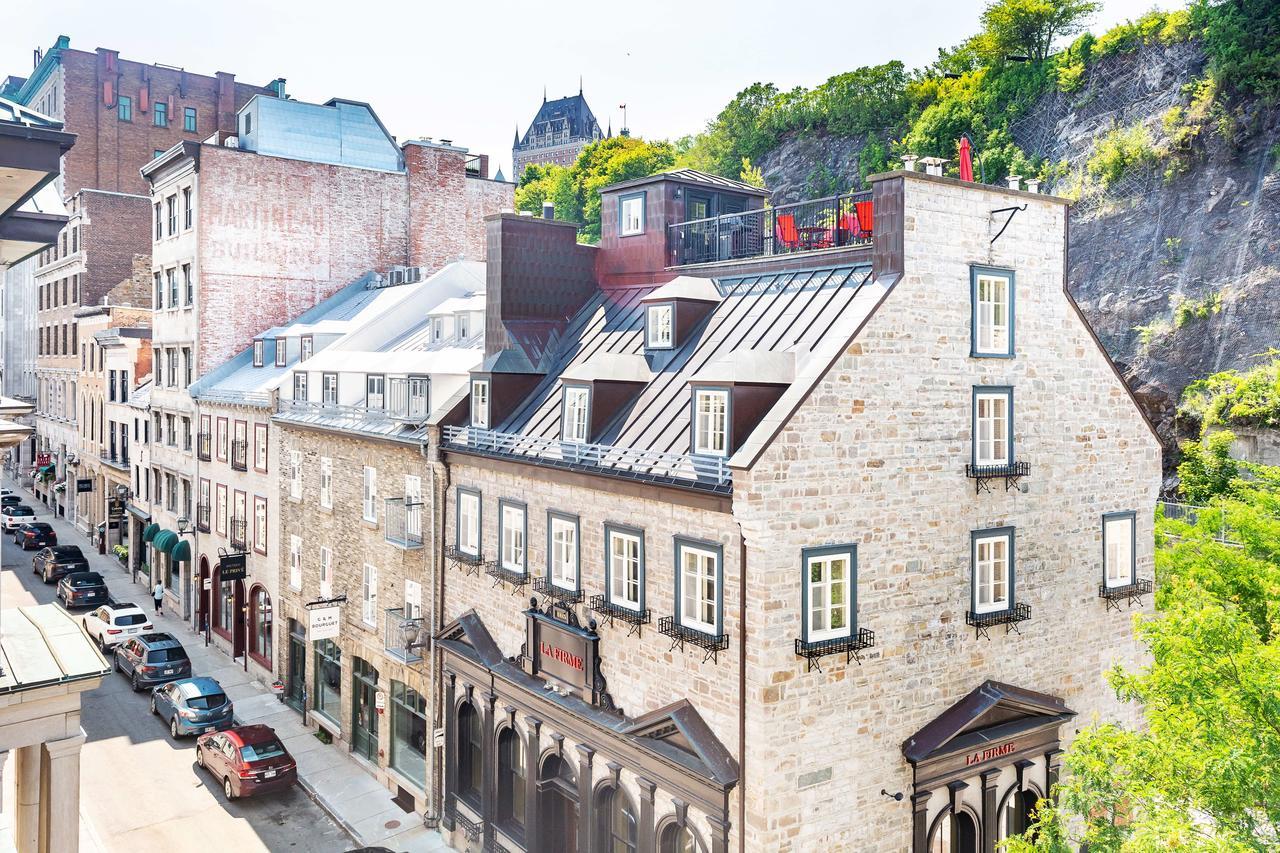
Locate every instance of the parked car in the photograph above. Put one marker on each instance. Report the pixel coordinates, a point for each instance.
(247, 759)
(114, 622)
(152, 659)
(34, 534)
(11, 517)
(56, 561)
(82, 589)
(10, 499)
(192, 706)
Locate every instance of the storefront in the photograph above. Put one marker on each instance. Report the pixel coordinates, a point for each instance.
(981, 766)
(538, 758)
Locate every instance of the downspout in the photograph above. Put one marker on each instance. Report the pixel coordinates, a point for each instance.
(439, 486)
(742, 691)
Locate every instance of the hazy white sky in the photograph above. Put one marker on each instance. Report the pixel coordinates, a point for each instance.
(471, 72)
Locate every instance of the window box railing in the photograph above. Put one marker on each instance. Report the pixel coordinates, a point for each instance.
(202, 518)
(239, 532)
(983, 622)
(610, 612)
(806, 226)
(204, 447)
(984, 475)
(403, 522)
(472, 564)
(405, 636)
(1130, 593)
(851, 647)
(544, 586)
(240, 455)
(696, 471)
(711, 644)
(517, 580)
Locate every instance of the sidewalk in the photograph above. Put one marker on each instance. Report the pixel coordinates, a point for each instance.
(331, 777)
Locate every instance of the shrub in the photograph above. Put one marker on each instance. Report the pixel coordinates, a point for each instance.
(1119, 152)
(1187, 310)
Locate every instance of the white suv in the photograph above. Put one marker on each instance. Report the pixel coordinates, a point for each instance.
(114, 623)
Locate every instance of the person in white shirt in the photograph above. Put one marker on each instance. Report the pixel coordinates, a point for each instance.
(158, 595)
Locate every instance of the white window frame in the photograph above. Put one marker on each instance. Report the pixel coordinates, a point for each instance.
(513, 519)
(993, 570)
(992, 295)
(563, 551)
(1119, 549)
(575, 413)
(631, 214)
(820, 607)
(710, 438)
(295, 561)
(328, 394)
(624, 548)
(991, 446)
(659, 326)
(412, 599)
(693, 562)
(412, 505)
(282, 352)
(295, 474)
(257, 353)
(468, 532)
(306, 347)
(369, 595)
(326, 482)
(369, 506)
(326, 572)
(480, 403)
(375, 399)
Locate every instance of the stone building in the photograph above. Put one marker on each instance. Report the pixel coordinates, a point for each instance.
(356, 512)
(254, 228)
(125, 352)
(138, 508)
(558, 133)
(860, 470)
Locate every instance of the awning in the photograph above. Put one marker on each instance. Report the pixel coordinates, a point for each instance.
(164, 541)
(149, 532)
(181, 551)
(46, 469)
(139, 513)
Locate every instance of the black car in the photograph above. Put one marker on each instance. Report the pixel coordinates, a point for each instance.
(55, 562)
(152, 659)
(82, 589)
(10, 500)
(35, 534)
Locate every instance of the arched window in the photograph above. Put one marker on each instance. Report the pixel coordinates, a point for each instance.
(1014, 814)
(966, 833)
(617, 831)
(679, 839)
(511, 778)
(260, 613)
(470, 753)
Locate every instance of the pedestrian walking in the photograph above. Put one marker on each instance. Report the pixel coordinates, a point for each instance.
(158, 595)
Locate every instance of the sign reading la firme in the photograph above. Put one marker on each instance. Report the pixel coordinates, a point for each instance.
(990, 753)
(324, 622)
(564, 652)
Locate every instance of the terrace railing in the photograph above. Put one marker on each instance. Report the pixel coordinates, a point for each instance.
(1214, 519)
(403, 409)
(805, 226)
(404, 522)
(204, 447)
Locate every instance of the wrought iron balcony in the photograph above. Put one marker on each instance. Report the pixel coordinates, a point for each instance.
(517, 580)
(403, 522)
(204, 447)
(824, 223)
(239, 532)
(472, 564)
(115, 459)
(1130, 593)
(711, 644)
(202, 517)
(544, 586)
(984, 475)
(983, 622)
(240, 454)
(851, 647)
(633, 619)
(404, 634)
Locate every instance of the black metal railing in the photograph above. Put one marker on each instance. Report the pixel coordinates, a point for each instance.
(404, 522)
(850, 646)
(472, 564)
(202, 518)
(204, 447)
(610, 612)
(1130, 593)
(982, 622)
(984, 475)
(805, 226)
(240, 455)
(711, 644)
(501, 574)
(239, 532)
(544, 586)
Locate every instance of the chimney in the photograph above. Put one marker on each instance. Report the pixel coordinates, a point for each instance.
(548, 210)
(909, 162)
(933, 165)
(1033, 185)
(1015, 182)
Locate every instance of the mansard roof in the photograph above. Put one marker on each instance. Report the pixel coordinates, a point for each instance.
(574, 109)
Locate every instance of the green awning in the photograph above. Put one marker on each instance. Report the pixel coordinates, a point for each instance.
(181, 551)
(48, 469)
(164, 541)
(149, 532)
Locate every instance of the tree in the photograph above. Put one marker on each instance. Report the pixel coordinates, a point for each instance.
(1030, 27)
(753, 175)
(1207, 470)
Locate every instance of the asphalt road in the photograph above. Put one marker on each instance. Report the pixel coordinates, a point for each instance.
(140, 791)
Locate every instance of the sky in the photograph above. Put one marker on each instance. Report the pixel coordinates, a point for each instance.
(473, 72)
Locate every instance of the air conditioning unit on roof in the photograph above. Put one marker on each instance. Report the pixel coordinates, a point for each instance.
(397, 276)
(412, 274)
(231, 142)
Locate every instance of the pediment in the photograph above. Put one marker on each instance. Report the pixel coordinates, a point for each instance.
(992, 708)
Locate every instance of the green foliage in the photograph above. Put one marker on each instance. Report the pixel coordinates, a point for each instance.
(1207, 470)
(1031, 27)
(1172, 251)
(1188, 310)
(1231, 398)
(1153, 27)
(751, 174)
(1160, 327)
(1241, 38)
(1120, 151)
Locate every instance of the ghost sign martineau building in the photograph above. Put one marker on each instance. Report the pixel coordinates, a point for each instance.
(752, 513)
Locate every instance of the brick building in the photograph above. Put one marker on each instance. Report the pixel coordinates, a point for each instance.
(558, 133)
(834, 477)
(124, 351)
(252, 229)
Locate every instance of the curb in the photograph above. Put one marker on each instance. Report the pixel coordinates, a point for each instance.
(328, 809)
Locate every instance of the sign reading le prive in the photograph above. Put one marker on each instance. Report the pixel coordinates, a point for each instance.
(324, 622)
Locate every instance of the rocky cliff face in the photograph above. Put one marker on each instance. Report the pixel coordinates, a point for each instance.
(1206, 238)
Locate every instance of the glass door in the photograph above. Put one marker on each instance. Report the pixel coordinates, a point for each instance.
(364, 714)
(296, 678)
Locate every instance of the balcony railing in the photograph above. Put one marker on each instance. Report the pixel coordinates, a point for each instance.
(706, 472)
(202, 518)
(116, 459)
(239, 532)
(984, 622)
(1212, 519)
(403, 634)
(404, 522)
(204, 447)
(240, 455)
(805, 226)
(402, 409)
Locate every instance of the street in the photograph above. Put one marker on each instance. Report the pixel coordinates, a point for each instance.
(141, 790)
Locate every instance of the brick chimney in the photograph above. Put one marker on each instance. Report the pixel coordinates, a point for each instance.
(226, 102)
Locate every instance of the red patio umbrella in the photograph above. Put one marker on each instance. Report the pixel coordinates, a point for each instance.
(966, 160)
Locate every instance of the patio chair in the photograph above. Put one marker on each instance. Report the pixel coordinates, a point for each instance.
(865, 218)
(787, 234)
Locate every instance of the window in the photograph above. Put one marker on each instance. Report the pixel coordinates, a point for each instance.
(513, 533)
(680, 839)
(189, 120)
(375, 391)
(259, 524)
(618, 830)
(160, 114)
(186, 434)
(187, 208)
(326, 572)
(329, 389)
(469, 522)
(711, 422)
(409, 732)
(159, 300)
(419, 397)
(295, 474)
(830, 605)
(658, 326)
(188, 285)
(437, 329)
(370, 494)
(413, 506)
(222, 439)
(992, 426)
(188, 366)
(282, 351)
(295, 562)
(462, 325)
(470, 754)
(327, 690)
(992, 321)
(124, 108)
(511, 776)
(248, 123)
(260, 447)
(171, 275)
(698, 585)
(480, 403)
(369, 595)
(326, 482)
(171, 207)
(308, 344)
(300, 386)
(631, 214)
(159, 230)
(257, 353)
(1120, 560)
(562, 550)
(624, 568)
(220, 513)
(260, 613)
(574, 417)
(992, 570)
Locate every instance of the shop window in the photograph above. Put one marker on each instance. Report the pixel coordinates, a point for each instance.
(470, 754)
(954, 834)
(409, 732)
(326, 693)
(618, 824)
(511, 779)
(680, 839)
(260, 613)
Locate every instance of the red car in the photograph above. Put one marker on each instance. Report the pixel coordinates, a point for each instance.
(248, 759)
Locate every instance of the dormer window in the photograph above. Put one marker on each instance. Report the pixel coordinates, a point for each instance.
(375, 391)
(658, 326)
(711, 421)
(575, 414)
(281, 351)
(257, 353)
(463, 327)
(308, 346)
(437, 329)
(631, 214)
(480, 403)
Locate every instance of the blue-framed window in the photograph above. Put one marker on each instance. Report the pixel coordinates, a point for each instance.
(710, 421)
(829, 592)
(660, 326)
(575, 413)
(160, 114)
(469, 521)
(991, 292)
(124, 108)
(624, 566)
(992, 426)
(993, 570)
(1119, 548)
(513, 536)
(631, 214)
(700, 585)
(564, 550)
(189, 119)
